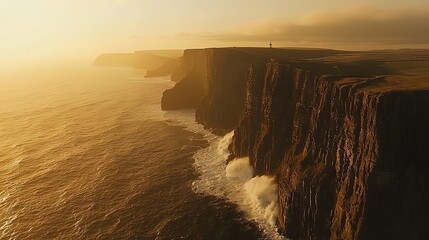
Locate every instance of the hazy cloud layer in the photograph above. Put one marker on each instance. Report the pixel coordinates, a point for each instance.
(363, 25)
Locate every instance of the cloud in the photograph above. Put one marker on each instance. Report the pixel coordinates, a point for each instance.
(358, 25)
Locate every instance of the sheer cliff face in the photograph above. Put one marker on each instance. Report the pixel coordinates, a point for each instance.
(213, 81)
(192, 60)
(349, 153)
(191, 75)
(223, 105)
(398, 195)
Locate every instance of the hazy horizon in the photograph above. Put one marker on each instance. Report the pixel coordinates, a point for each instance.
(278, 123)
(36, 32)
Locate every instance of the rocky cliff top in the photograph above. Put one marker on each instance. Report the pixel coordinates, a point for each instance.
(349, 151)
(213, 80)
(390, 70)
(344, 133)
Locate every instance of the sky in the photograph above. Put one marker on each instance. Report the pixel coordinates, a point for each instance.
(61, 30)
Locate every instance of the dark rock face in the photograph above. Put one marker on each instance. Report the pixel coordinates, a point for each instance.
(223, 105)
(192, 60)
(350, 152)
(220, 76)
(266, 116)
(398, 194)
(214, 82)
(191, 77)
(349, 155)
(185, 95)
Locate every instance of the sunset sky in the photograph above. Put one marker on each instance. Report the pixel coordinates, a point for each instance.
(40, 30)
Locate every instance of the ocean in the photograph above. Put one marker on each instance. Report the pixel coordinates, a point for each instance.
(87, 153)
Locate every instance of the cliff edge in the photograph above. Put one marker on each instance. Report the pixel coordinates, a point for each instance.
(349, 152)
(214, 81)
(344, 133)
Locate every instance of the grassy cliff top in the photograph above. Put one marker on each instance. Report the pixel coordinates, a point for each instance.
(403, 69)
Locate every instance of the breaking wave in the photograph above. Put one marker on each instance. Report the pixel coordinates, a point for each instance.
(256, 196)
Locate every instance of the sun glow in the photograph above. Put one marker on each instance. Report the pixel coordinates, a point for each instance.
(35, 31)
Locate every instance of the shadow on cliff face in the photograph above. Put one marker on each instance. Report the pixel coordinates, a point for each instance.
(214, 81)
(356, 148)
(186, 94)
(398, 194)
(348, 148)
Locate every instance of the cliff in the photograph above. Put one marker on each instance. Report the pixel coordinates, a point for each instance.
(345, 134)
(214, 81)
(191, 75)
(350, 153)
(203, 75)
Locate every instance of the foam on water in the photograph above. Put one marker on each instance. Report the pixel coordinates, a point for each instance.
(77, 175)
(261, 191)
(256, 196)
(239, 170)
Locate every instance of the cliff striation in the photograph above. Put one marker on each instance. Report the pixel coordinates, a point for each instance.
(191, 77)
(345, 134)
(349, 152)
(214, 81)
(202, 75)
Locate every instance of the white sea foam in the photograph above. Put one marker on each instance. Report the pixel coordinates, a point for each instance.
(239, 170)
(262, 191)
(256, 196)
(224, 143)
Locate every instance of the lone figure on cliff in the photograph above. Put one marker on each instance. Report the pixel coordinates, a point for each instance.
(271, 45)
